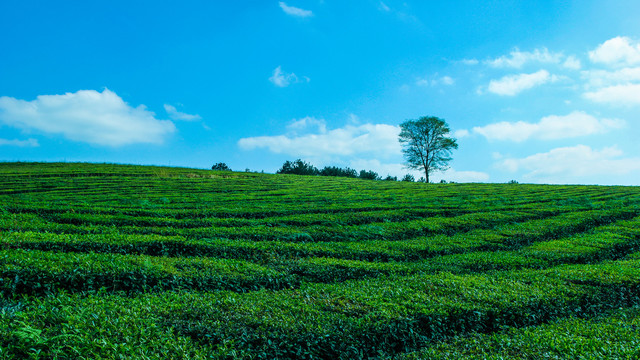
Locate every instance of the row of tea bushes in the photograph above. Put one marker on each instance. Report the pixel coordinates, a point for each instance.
(355, 319)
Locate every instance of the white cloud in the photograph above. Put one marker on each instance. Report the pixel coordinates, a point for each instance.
(461, 133)
(628, 94)
(513, 84)
(517, 58)
(573, 63)
(294, 11)
(383, 7)
(602, 78)
(437, 80)
(620, 50)
(177, 115)
(572, 163)
(447, 80)
(282, 79)
(20, 143)
(380, 140)
(306, 124)
(551, 127)
(86, 116)
(469, 61)
(353, 119)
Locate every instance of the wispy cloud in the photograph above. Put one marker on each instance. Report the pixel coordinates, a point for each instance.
(516, 58)
(383, 7)
(551, 127)
(282, 79)
(294, 11)
(177, 115)
(20, 143)
(306, 125)
(514, 84)
(470, 61)
(435, 81)
(100, 118)
(403, 14)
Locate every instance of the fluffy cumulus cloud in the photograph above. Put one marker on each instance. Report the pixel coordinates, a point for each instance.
(379, 140)
(551, 127)
(517, 59)
(100, 118)
(619, 51)
(294, 11)
(514, 84)
(619, 82)
(177, 115)
(282, 79)
(578, 162)
(19, 143)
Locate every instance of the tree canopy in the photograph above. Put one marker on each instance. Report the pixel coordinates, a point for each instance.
(220, 167)
(426, 145)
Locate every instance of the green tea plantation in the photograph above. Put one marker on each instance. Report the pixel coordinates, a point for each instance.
(101, 261)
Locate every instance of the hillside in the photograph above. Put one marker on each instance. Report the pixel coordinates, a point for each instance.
(121, 261)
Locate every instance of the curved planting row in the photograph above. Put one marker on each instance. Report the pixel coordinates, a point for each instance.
(355, 319)
(44, 273)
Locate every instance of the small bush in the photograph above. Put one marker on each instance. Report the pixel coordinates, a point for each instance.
(409, 178)
(298, 167)
(220, 167)
(369, 175)
(338, 172)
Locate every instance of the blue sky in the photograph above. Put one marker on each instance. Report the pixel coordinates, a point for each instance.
(536, 91)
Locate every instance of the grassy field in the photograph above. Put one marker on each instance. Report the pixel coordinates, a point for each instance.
(131, 262)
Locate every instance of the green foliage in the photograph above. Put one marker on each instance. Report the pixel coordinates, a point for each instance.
(338, 172)
(298, 167)
(220, 167)
(113, 261)
(369, 175)
(426, 144)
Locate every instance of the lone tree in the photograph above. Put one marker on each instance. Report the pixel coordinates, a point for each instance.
(426, 144)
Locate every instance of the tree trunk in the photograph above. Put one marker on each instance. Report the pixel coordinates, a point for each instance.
(426, 174)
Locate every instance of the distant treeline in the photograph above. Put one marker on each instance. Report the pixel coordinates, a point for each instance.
(299, 167)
